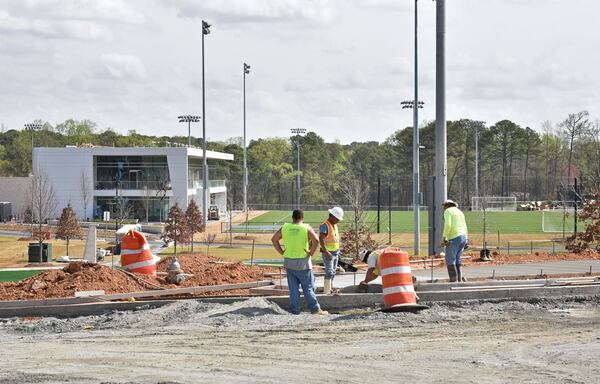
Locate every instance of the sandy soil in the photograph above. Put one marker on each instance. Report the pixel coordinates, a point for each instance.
(256, 342)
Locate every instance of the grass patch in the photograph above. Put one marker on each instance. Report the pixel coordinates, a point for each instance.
(232, 254)
(402, 221)
(17, 275)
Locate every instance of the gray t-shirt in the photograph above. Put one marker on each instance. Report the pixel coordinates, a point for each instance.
(298, 264)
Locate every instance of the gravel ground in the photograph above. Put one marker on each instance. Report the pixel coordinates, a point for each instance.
(257, 342)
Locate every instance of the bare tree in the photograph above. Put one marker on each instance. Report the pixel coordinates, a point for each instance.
(85, 192)
(43, 201)
(356, 192)
(572, 128)
(194, 220)
(176, 228)
(68, 225)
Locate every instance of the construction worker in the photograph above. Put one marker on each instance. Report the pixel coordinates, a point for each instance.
(372, 260)
(329, 239)
(454, 239)
(300, 242)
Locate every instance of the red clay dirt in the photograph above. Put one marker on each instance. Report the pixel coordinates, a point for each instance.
(76, 277)
(499, 258)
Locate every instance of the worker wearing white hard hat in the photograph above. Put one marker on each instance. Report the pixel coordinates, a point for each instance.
(372, 260)
(454, 239)
(329, 239)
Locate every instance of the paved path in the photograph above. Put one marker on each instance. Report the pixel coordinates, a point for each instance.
(501, 270)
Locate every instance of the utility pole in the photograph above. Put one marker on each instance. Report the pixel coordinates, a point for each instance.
(477, 160)
(205, 31)
(378, 204)
(441, 163)
(246, 72)
(298, 132)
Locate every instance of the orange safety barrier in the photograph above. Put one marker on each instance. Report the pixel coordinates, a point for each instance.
(136, 255)
(394, 268)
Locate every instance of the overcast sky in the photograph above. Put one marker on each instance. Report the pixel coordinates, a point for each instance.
(337, 67)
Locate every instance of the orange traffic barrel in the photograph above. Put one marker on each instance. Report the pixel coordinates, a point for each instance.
(136, 255)
(398, 290)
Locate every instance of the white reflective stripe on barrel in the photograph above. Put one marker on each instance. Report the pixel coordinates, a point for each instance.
(141, 264)
(135, 251)
(390, 270)
(399, 289)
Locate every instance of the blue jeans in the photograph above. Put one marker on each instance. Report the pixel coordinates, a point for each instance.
(454, 250)
(304, 278)
(330, 265)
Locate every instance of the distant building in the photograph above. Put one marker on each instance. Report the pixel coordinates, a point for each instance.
(15, 191)
(154, 177)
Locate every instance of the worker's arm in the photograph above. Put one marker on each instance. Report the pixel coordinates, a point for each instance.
(322, 244)
(275, 240)
(370, 276)
(314, 241)
(447, 226)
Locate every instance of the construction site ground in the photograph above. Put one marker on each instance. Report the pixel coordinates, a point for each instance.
(257, 342)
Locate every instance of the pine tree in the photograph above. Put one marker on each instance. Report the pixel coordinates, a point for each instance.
(68, 226)
(176, 228)
(194, 220)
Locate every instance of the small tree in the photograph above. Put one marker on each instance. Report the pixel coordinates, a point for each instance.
(43, 202)
(176, 229)
(358, 236)
(590, 237)
(194, 220)
(84, 187)
(68, 226)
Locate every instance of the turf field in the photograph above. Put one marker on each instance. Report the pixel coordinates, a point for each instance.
(17, 275)
(402, 221)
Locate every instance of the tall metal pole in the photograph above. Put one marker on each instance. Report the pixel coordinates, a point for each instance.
(416, 191)
(441, 165)
(298, 188)
(189, 133)
(246, 69)
(477, 160)
(205, 31)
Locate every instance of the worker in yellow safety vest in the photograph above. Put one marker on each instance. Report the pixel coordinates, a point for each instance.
(329, 238)
(454, 239)
(372, 260)
(300, 242)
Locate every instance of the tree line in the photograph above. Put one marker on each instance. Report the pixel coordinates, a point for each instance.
(527, 163)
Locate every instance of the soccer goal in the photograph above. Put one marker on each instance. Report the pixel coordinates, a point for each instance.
(494, 203)
(558, 220)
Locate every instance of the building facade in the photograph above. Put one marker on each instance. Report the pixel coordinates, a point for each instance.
(138, 183)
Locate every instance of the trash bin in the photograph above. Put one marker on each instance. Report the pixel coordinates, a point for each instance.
(33, 252)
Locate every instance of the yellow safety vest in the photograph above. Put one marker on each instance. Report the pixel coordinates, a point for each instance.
(295, 240)
(332, 238)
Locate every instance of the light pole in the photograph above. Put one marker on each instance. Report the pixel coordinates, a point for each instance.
(246, 69)
(441, 160)
(298, 132)
(32, 127)
(189, 119)
(205, 31)
(477, 160)
(416, 166)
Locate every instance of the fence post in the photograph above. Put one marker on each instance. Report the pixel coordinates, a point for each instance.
(508, 247)
(252, 254)
(531, 247)
(553, 249)
(498, 246)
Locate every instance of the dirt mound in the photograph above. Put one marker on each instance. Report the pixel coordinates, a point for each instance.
(502, 258)
(65, 282)
(208, 270)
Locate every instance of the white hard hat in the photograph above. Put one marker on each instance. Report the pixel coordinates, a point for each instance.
(363, 254)
(337, 212)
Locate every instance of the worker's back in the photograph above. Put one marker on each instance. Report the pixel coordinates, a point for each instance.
(455, 219)
(295, 240)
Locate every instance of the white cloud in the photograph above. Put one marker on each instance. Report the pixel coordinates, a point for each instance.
(122, 67)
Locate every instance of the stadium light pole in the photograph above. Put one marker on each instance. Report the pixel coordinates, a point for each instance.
(298, 132)
(246, 69)
(416, 166)
(476, 161)
(189, 119)
(32, 127)
(205, 31)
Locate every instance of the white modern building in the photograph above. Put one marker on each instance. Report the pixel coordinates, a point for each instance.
(149, 180)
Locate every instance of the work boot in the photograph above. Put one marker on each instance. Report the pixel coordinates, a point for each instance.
(452, 273)
(320, 312)
(327, 287)
(459, 276)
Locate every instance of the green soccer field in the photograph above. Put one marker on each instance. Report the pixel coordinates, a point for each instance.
(402, 221)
